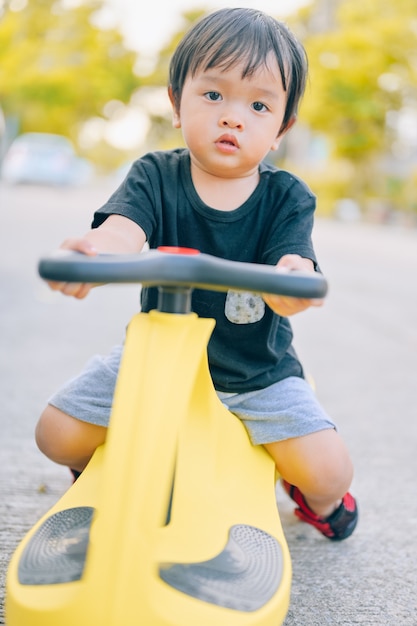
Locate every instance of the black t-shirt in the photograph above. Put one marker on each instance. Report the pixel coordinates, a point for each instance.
(251, 347)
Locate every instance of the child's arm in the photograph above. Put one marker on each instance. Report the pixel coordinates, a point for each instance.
(117, 235)
(284, 305)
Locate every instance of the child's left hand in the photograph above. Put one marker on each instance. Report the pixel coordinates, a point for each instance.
(285, 305)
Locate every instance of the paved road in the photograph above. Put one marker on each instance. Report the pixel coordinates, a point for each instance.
(361, 348)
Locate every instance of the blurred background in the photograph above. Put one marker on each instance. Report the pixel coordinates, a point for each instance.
(95, 71)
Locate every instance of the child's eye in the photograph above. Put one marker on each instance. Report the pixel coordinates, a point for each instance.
(258, 106)
(213, 96)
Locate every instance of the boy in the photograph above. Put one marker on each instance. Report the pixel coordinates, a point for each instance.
(235, 82)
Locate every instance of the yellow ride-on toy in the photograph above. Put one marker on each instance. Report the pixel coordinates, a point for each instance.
(174, 521)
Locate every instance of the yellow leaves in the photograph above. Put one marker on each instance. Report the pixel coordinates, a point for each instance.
(57, 69)
(361, 67)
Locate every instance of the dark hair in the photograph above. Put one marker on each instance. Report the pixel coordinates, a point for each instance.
(231, 36)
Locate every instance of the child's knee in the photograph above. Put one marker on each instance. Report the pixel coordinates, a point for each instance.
(65, 439)
(317, 463)
(334, 477)
(333, 473)
(49, 432)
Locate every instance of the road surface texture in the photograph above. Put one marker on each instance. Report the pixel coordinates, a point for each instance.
(361, 348)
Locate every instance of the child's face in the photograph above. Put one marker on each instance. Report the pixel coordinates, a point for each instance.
(230, 124)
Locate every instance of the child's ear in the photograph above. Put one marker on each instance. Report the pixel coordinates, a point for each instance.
(282, 132)
(176, 120)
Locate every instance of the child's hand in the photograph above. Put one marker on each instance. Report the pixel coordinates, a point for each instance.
(285, 305)
(117, 235)
(77, 290)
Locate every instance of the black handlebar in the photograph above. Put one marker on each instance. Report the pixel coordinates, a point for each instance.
(165, 268)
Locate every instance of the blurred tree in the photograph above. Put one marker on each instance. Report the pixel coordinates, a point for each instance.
(363, 69)
(57, 69)
(161, 133)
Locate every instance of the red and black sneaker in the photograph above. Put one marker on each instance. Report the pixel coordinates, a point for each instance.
(337, 526)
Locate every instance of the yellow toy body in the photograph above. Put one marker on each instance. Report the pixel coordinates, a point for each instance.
(174, 521)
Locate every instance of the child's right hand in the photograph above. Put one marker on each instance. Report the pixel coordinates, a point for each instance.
(77, 290)
(117, 235)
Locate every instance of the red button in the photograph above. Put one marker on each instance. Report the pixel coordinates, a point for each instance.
(178, 250)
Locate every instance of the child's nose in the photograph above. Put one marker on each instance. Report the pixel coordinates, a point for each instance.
(231, 121)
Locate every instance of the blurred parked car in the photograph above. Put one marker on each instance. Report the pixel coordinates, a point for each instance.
(46, 159)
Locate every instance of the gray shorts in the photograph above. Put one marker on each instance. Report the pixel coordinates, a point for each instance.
(286, 409)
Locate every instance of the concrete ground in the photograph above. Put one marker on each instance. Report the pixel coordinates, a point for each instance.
(361, 348)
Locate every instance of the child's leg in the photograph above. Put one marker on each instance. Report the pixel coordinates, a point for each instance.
(67, 440)
(318, 464)
(308, 452)
(88, 396)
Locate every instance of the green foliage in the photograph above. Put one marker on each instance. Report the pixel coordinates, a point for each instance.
(57, 68)
(363, 67)
(162, 135)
